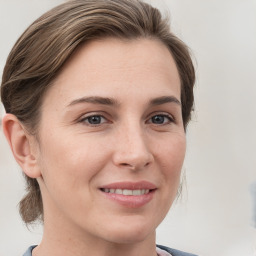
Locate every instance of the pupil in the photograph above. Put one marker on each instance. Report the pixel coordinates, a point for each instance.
(94, 119)
(158, 119)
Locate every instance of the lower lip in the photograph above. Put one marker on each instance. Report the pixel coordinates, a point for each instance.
(130, 201)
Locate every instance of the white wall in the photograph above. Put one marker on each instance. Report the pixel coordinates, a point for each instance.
(214, 217)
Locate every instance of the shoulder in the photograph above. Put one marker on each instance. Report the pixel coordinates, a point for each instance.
(29, 251)
(175, 252)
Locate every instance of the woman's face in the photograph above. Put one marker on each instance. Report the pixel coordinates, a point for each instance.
(112, 141)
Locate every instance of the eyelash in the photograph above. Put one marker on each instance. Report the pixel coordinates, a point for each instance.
(169, 117)
(86, 119)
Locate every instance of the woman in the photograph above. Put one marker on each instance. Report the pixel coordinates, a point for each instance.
(98, 95)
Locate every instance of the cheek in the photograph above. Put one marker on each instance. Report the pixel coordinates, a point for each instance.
(71, 163)
(170, 158)
(172, 153)
(68, 171)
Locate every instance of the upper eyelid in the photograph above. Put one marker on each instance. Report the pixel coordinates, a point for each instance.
(86, 117)
(92, 113)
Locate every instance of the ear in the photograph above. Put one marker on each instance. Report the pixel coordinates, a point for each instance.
(22, 144)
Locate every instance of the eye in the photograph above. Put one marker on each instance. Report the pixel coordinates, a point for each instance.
(94, 120)
(161, 119)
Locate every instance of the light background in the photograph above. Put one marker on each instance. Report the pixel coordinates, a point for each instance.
(214, 215)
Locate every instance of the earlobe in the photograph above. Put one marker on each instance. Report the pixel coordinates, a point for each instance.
(21, 145)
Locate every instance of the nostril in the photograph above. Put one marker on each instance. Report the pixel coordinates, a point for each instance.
(129, 166)
(135, 166)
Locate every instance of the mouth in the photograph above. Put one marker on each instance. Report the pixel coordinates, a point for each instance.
(130, 194)
(126, 192)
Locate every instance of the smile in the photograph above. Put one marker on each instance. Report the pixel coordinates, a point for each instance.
(126, 192)
(129, 194)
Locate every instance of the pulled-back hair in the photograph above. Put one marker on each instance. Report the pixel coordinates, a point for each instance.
(41, 51)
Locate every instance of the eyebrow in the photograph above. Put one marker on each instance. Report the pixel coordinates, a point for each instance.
(112, 102)
(94, 100)
(164, 99)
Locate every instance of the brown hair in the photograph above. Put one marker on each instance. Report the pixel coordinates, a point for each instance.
(45, 46)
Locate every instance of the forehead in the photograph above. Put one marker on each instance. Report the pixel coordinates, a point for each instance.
(113, 66)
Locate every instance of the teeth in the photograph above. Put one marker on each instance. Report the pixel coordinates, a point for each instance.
(136, 192)
(119, 191)
(126, 192)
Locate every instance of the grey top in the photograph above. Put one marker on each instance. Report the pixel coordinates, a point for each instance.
(173, 252)
(29, 251)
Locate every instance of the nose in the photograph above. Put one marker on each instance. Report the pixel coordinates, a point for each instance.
(132, 149)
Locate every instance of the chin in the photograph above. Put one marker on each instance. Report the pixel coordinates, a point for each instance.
(124, 238)
(130, 232)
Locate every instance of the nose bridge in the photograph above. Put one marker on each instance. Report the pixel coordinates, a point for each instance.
(132, 147)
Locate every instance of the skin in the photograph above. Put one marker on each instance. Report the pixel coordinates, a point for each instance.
(72, 158)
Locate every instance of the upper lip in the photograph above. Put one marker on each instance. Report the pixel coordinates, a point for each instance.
(131, 185)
